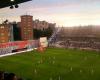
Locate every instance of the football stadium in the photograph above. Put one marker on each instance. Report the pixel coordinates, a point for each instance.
(39, 49)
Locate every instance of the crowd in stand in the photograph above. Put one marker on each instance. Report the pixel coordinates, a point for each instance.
(91, 45)
(81, 37)
(8, 76)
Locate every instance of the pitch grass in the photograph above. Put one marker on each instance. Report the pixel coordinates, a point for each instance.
(54, 64)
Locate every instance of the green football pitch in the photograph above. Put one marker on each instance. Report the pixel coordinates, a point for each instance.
(54, 64)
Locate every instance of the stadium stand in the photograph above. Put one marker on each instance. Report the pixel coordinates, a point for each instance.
(53, 39)
(77, 38)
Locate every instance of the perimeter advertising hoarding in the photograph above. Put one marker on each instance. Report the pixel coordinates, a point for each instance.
(43, 42)
(18, 44)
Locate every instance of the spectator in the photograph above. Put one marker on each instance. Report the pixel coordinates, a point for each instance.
(10, 76)
(1, 75)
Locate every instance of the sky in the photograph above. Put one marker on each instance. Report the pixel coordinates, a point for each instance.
(62, 12)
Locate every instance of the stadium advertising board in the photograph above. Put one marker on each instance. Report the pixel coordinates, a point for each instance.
(43, 42)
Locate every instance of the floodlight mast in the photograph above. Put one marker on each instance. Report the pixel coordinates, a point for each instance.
(11, 7)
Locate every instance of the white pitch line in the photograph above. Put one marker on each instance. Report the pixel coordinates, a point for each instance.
(16, 52)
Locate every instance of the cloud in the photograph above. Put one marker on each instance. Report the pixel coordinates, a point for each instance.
(63, 12)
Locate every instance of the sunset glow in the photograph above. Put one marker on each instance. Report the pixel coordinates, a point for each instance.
(61, 12)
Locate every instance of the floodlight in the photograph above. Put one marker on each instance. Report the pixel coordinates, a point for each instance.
(16, 6)
(12, 0)
(11, 7)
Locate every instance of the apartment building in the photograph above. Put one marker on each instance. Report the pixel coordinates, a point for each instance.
(26, 26)
(4, 33)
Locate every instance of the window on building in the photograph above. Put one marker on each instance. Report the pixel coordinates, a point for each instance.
(25, 28)
(29, 22)
(23, 17)
(2, 34)
(29, 25)
(2, 41)
(2, 27)
(29, 17)
(8, 34)
(29, 30)
(25, 32)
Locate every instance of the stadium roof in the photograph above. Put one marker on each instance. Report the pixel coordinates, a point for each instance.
(6, 3)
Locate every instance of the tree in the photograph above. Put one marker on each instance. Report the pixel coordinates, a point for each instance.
(42, 33)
